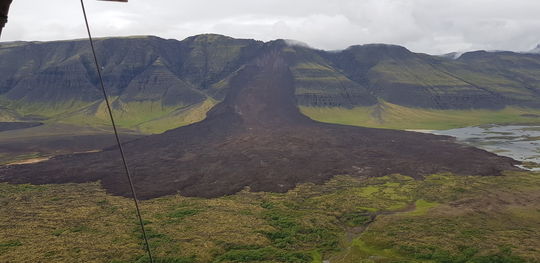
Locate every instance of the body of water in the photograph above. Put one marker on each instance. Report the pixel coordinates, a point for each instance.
(518, 142)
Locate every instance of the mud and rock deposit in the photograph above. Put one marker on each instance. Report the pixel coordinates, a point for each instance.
(257, 138)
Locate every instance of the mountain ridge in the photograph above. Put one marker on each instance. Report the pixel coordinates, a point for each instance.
(256, 137)
(49, 80)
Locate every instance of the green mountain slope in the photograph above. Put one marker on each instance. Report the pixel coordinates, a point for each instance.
(148, 78)
(158, 84)
(319, 84)
(393, 116)
(478, 80)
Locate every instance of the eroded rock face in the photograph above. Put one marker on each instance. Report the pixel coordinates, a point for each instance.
(257, 138)
(56, 75)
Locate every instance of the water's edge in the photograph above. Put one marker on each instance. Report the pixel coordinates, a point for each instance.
(521, 143)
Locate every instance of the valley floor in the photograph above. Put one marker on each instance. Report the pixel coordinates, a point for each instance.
(444, 218)
(392, 116)
(53, 139)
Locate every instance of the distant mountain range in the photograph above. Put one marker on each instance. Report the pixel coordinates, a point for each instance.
(161, 81)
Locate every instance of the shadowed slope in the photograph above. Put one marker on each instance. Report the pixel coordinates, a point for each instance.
(257, 137)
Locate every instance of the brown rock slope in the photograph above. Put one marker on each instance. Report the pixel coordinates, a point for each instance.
(257, 137)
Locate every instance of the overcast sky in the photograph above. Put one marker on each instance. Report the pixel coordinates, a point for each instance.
(430, 26)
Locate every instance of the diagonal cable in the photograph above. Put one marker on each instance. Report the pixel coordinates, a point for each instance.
(128, 174)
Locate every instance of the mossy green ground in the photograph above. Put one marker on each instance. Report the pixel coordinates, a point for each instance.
(147, 117)
(444, 218)
(392, 116)
(151, 117)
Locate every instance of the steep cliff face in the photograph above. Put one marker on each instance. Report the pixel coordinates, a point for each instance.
(53, 79)
(257, 138)
(154, 84)
(61, 75)
(318, 83)
(479, 80)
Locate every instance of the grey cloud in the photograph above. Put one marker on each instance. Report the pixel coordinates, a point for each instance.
(431, 26)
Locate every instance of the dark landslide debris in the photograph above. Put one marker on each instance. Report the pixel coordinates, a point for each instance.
(257, 138)
(8, 126)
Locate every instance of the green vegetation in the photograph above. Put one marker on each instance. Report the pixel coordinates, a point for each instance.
(414, 71)
(444, 218)
(146, 117)
(452, 77)
(313, 78)
(177, 118)
(392, 116)
(6, 245)
(321, 79)
(421, 207)
(44, 109)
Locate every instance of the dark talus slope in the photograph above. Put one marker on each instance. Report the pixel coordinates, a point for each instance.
(257, 138)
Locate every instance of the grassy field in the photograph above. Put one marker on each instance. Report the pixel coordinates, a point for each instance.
(147, 117)
(151, 117)
(392, 116)
(444, 218)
